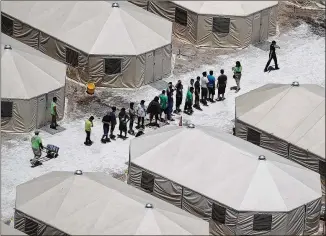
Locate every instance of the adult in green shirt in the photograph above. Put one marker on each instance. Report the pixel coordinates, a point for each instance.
(88, 129)
(54, 113)
(189, 100)
(163, 104)
(37, 147)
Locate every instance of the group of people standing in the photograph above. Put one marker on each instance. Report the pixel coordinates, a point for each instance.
(161, 107)
(110, 121)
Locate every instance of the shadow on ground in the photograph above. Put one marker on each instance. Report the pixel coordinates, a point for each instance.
(159, 85)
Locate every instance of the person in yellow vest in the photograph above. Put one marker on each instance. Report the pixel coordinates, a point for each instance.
(54, 113)
(37, 147)
(88, 129)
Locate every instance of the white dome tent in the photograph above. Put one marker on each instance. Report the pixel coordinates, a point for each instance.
(114, 44)
(219, 24)
(29, 81)
(92, 203)
(241, 189)
(288, 119)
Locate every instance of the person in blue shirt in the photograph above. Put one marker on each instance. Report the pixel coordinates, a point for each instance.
(211, 86)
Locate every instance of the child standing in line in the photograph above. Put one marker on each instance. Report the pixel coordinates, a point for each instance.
(123, 120)
(141, 114)
(132, 115)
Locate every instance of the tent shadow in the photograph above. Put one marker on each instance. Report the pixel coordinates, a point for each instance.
(159, 85)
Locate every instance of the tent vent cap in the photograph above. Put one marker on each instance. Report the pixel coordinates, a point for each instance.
(8, 47)
(262, 158)
(148, 205)
(295, 83)
(191, 126)
(78, 172)
(115, 4)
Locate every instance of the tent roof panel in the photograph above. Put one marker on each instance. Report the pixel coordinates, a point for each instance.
(104, 207)
(293, 114)
(28, 73)
(228, 8)
(233, 169)
(248, 101)
(95, 27)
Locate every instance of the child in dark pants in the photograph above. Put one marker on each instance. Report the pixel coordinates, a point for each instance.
(141, 114)
(132, 115)
(113, 121)
(189, 100)
(88, 129)
(106, 128)
(178, 96)
(123, 120)
(197, 93)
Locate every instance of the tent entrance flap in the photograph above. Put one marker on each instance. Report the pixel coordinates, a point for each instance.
(264, 25)
(149, 68)
(41, 111)
(256, 28)
(158, 65)
(49, 99)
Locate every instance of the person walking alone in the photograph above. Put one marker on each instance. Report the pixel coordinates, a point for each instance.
(237, 72)
(272, 55)
(221, 85)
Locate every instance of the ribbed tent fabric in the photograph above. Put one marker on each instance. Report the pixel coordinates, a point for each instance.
(226, 8)
(229, 175)
(290, 121)
(201, 22)
(97, 31)
(7, 230)
(61, 203)
(28, 78)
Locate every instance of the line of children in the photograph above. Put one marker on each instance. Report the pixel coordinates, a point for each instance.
(163, 104)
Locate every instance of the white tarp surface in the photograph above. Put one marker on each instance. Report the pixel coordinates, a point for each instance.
(240, 180)
(97, 204)
(29, 81)
(226, 8)
(27, 73)
(219, 24)
(293, 114)
(94, 27)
